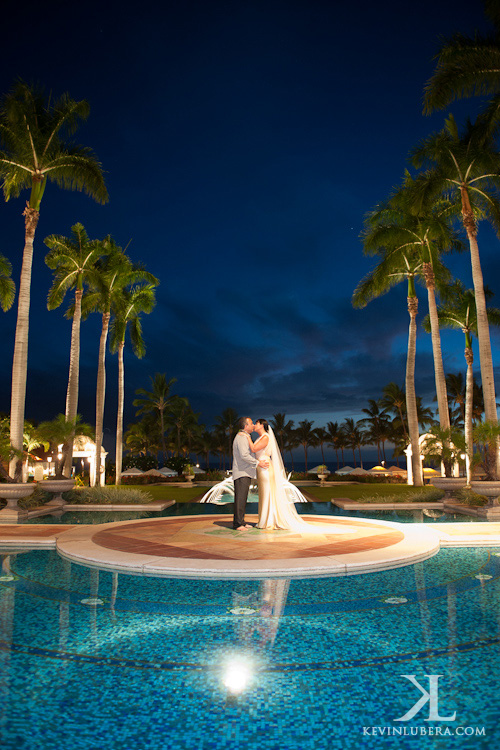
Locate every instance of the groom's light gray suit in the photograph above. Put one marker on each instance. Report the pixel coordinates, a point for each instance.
(244, 470)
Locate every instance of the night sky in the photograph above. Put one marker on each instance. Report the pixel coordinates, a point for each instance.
(243, 142)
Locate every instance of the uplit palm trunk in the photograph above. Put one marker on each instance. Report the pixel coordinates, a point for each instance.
(119, 416)
(100, 395)
(411, 400)
(440, 380)
(483, 330)
(20, 361)
(73, 379)
(469, 392)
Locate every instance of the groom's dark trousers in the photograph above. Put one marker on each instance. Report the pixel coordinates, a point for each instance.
(241, 487)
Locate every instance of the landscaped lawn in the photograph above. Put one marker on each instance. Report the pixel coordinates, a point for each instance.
(322, 494)
(395, 492)
(164, 492)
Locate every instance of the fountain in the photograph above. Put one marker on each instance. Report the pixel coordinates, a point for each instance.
(226, 487)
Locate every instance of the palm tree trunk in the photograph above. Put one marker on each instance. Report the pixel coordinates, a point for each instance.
(483, 331)
(360, 459)
(305, 454)
(100, 395)
(119, 416)
(73, 379)
(469, 389)
(411, 400)
(442, 396)
(20, 361)
(354, 454)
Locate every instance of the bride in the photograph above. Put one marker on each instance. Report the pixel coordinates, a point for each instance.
(276, 510)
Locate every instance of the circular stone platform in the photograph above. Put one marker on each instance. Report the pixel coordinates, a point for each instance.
(208, 547)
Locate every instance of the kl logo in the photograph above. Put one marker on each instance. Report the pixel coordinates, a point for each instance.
(428, 696)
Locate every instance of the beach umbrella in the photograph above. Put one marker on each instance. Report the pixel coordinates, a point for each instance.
(154, 473)
(378, 470)
(358, 471)
(131, 472)
(345, 470)
(431, 472)
(316, 469)
(166, 472)
(396, 470)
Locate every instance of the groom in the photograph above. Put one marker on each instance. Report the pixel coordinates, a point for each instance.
(244, 470)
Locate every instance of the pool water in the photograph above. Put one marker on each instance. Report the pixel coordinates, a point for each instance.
(185, 509)
(94, 659)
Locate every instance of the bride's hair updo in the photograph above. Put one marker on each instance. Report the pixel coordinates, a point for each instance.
(264, 423)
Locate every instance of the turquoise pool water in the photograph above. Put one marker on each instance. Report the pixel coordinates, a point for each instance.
(91, 659)
(183, 509)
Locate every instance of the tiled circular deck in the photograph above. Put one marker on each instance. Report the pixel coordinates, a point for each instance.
(207, 546)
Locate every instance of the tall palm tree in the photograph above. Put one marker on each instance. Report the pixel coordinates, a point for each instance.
(74, 261)
(405, 223)
(321, 439)
(395, 266)
(281, 426)
(33, 134)
(116, 272)
(459, 312)
(456, 386)
(394, 400)
(467, 66)
(128, 309)
(228, 423)
(355, 437)
(466, 168)
(306, 436)
(376, 420)
(7, 286)
(334, 434)
(143, 437)
(180, 418)
(156, 401)
(290, 440)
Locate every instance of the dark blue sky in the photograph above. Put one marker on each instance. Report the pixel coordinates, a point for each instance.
(243, 143)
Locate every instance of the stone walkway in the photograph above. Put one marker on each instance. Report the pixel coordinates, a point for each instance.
(207, 546)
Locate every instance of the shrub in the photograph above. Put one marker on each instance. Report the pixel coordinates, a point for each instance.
(424, 495)
(468, 497)
(106, 496)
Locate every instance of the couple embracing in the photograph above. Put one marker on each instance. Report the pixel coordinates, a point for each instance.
(262, 460)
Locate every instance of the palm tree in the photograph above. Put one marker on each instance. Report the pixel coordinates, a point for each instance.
(405, 224)
(57, 432)
(128, 309)
(180, 418)
(321, 438)
(156, 400)
(376, 420)
(33, 133)
(143, 437)
(394, 400)
(205, 446)
(458, 312)
(456, 386)
(74, 261)
(395, 266)
(306, 436)
(228, 423)
(7, 286)
(466, 168)
(31, 441)
(467, 66)
(355, 437)
(281, 426)
(290, 440)
(334, 434)
(115, 272)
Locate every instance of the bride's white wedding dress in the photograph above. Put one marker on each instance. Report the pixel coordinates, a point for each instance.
(276, 510)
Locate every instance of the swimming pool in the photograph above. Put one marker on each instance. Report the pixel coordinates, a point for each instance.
(182, 509)
(92, 659)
